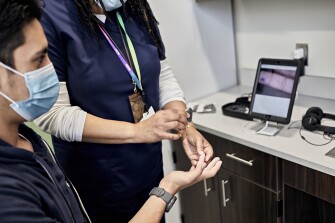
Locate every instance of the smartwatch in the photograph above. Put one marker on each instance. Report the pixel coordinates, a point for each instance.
(166, 196)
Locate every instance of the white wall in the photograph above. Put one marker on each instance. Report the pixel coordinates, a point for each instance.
(271, 28)
(199, 40)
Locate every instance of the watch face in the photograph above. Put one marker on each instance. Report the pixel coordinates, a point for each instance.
(170, 204)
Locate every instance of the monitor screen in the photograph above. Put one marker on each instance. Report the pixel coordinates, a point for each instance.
(274, 90)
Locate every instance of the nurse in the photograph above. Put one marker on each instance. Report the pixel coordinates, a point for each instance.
(118, 99)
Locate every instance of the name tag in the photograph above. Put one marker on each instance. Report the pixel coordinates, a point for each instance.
(148, 114)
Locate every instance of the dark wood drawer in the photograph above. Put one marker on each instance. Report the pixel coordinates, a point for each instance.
(313, 182)
(246, 201)
(251, 164)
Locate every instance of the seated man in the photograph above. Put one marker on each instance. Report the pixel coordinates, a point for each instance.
(33, 187)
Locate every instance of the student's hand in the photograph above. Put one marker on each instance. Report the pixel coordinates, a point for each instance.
(157, 127)
(194, 143)
(178, 180)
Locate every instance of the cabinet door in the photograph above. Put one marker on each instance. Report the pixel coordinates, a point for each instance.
(246, 162)
(309, 195)
(245, 202)
(200, 202)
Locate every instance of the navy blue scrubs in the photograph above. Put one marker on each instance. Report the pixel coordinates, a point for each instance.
(113, 180)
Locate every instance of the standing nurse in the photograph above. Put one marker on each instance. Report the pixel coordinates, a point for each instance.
(112, 69)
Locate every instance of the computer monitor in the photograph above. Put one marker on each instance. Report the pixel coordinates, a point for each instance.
(275, 89)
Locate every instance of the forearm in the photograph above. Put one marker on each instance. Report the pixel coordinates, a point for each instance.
(151, 212)
(99, 130)
(154, 208)
(71, 123)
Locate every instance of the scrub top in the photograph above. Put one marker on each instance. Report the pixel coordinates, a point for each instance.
(106, 176)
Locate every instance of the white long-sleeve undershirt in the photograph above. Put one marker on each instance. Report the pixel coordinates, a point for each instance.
(67, 122)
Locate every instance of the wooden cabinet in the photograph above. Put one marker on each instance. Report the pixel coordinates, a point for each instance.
(248, 181)
(245, 200)
(255, 187)
(245, 189)
(309, 196)
(199, 203)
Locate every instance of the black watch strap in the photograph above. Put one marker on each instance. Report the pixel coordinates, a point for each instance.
(166, 196)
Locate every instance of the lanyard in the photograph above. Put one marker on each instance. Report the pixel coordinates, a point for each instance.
(131, 46)
(122, 59)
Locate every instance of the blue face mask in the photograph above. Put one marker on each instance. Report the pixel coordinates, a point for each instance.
(111, 5)
(43, 86)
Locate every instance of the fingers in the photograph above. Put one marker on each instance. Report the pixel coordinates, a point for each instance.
(176, 125)
(197, 171)
(212, 168)
(168, 136)
(199, 144)
(192, 154)
(169, 119)
(208, 151)
(203, 146)
(175, 115)
(183, 113)
(201, 165)
(212, 163)
(157, 127)
(215, 169)
(194, 162)
(202, 171)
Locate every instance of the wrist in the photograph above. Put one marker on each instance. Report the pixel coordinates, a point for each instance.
(189, 127)
(169, 187)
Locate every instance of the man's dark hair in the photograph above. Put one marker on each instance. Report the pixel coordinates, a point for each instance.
(14, 16)
(137, 9)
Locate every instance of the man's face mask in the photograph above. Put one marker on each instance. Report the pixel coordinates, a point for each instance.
(111, 5)
(43, 86)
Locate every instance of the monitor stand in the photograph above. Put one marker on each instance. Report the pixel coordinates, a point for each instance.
(269, 129)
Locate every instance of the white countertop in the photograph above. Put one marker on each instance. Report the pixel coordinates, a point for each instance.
(287, 144)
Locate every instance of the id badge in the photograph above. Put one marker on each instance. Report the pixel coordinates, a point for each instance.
(137, 106)
(148, 114)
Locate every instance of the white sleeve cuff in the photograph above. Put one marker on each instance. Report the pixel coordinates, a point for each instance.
(169, 88)
(63, 120)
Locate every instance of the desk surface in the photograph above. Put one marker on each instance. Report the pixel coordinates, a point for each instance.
(287, 144)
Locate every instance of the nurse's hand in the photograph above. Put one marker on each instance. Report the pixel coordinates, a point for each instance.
(195, 144)
(178, 180)
(158, 126)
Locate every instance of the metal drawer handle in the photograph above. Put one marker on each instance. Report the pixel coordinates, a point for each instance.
(232, 156)
(225, 200)
(206, 189)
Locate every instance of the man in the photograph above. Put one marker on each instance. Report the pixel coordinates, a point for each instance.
(33, 187)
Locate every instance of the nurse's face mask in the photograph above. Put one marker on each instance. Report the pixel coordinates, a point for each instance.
(43, 87)
(111, 5)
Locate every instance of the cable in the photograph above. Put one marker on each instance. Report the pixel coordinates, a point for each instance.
(299, 127)
(290, 126)
(330, 140)
(330, 137)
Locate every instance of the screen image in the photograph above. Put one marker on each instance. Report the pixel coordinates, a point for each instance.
(274, 89)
